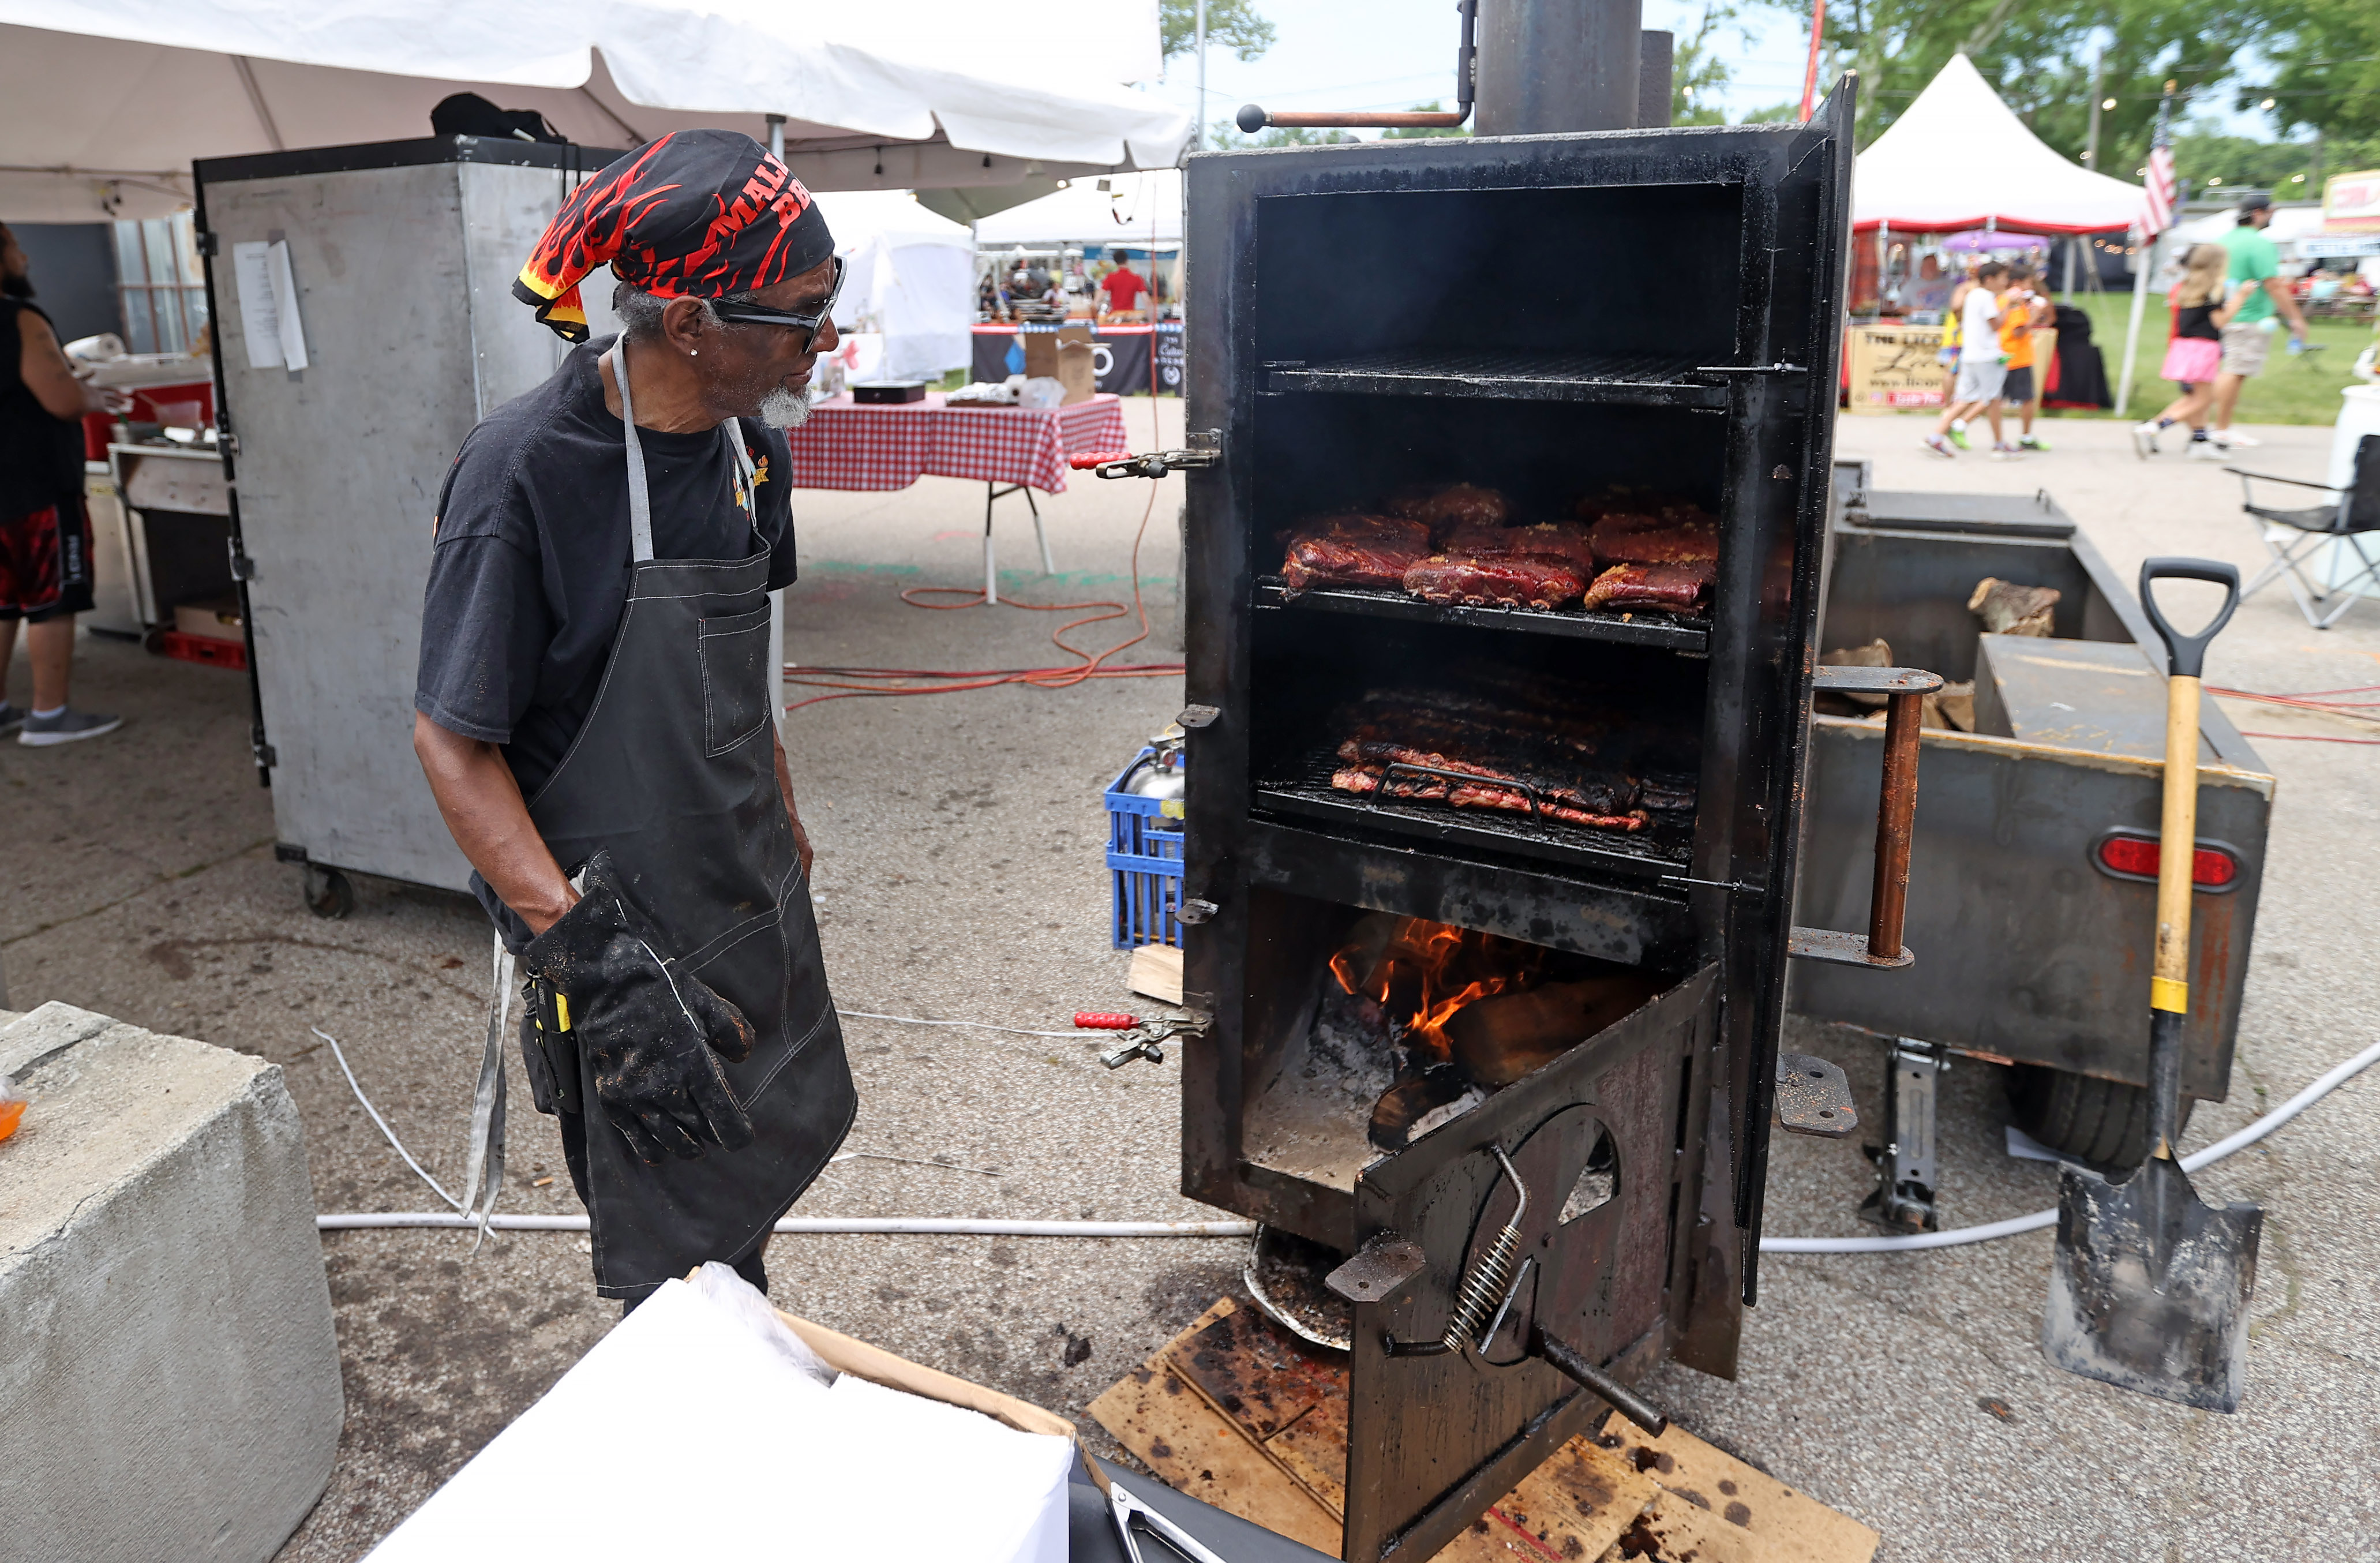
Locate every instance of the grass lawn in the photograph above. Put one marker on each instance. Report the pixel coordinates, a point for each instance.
(2298, 389)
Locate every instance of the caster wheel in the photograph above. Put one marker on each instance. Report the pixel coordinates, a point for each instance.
(328, 894)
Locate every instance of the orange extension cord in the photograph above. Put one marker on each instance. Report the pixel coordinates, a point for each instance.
(2313, 700)
(852, 683)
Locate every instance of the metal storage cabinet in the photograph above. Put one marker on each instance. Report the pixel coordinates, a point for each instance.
(404, 255)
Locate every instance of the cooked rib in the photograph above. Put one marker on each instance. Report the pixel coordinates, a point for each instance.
(1652, 585)
(1456, 504)
(1629, 538)
(1507, 580)
(1369, 550)
(1565, 541)
(1371, 777)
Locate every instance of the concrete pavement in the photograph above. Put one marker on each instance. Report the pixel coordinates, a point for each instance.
(960, 877)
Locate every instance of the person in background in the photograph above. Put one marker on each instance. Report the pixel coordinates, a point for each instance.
(1981, 373)
(1121, 289)
(2022, 310)
(1929, 291)
(2247, 340)
(46, 568)
(2194, 353)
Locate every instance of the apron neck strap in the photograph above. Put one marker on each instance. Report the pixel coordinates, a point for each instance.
(640, 497)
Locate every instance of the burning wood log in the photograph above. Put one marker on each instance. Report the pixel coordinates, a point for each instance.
(1499, 1039)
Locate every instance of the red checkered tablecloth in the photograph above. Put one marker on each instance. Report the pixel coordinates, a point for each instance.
(845, 445)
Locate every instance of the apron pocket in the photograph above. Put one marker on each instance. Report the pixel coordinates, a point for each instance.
(734, 679)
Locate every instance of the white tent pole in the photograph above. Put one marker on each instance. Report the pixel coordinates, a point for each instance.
(777, 136)
(2141, 253)
(1198, 132)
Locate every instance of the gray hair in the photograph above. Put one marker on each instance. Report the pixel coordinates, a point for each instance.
(640, 312)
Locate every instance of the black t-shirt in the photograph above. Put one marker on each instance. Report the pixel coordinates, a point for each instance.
(2198, 320)
(531, 567)
(41, 454)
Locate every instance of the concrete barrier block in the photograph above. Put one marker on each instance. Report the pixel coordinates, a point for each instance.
(169, 1377)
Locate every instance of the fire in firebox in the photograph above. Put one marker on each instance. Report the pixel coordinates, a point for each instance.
(1449, 1014)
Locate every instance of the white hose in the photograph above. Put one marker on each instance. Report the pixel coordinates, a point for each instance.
(823, 1225)
(2040, 1218)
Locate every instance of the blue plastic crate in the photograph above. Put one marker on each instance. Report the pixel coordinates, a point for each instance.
(1145, 860)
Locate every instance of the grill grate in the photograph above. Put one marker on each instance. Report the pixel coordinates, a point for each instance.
(1306, 789)
(1689, 633)
(1644, 378)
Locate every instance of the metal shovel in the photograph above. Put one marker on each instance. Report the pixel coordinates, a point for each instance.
(2149, 1286)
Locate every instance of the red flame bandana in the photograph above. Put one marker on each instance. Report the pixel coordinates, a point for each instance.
(696, 214)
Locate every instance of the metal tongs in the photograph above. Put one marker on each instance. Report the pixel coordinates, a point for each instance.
(1127, 1511)
(1142, 1039)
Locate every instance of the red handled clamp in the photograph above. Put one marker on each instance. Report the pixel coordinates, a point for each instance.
(1146, 1035)
(1157, 464)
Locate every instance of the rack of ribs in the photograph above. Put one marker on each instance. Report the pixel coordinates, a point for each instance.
(1512, 755)
(1362, 550)
(1367, 777)
(1503, 581)
(1674, 587)
(1456, 504)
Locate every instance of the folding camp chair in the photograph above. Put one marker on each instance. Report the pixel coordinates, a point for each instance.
(2298, 538)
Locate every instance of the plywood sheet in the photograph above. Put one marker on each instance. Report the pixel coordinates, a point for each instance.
(1792, 1526)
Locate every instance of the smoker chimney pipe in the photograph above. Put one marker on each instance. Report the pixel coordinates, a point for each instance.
(1548, 67)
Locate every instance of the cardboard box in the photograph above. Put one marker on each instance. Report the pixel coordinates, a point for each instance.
(216, 618)
(1063, 356)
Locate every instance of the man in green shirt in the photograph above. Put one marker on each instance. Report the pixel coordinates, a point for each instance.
(2248, 337)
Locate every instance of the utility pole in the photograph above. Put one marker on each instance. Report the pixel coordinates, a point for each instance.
(2091, 142)
(1198, 141)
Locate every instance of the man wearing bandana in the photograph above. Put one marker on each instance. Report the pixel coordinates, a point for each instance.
(595, 717)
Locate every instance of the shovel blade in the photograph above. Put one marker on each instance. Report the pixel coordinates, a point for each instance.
(2149, 1286)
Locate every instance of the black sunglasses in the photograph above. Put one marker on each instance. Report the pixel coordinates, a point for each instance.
(755, 314)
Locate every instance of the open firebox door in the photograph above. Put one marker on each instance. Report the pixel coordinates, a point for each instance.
(1501, 645)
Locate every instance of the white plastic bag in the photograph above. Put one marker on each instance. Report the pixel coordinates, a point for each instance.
(741, 1301)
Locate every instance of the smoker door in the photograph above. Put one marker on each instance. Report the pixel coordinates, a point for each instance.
(1602, 1137)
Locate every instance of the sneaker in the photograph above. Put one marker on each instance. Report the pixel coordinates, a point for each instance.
(68, 726)
(11, 717)
(2231, 438)
(2006, 452)
(1959, 436)
(2206, 450)
(2144, 437)
(1939, 446)
(2031, 443)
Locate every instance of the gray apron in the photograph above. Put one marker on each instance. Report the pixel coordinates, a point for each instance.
(675, 770)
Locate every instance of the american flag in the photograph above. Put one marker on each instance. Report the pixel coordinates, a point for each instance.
(2159, 192)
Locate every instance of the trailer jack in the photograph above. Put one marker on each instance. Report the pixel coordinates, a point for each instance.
(1906, 1162)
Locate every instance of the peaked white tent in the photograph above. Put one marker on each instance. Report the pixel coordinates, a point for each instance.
(1958, 158)
(910, 278)
(104, 104)
(1137, 210)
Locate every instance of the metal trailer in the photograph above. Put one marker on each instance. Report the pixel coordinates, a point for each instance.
(403, 255)
(2033, 946)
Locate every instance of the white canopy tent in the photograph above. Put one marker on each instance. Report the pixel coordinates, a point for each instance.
(1137, 210)
(106, 102)
(909, 280)
(1957, 158)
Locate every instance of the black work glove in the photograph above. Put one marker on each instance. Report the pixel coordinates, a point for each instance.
(653, 1032)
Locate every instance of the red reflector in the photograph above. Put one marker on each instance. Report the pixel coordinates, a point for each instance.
(2132, 854)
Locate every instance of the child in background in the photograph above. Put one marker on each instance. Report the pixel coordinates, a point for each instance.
(2194, 352)
(1981, 371)
(1948, 356)
(2020, 310)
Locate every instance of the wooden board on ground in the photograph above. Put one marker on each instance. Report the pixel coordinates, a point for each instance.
(1239, 1413)
(1156, 972)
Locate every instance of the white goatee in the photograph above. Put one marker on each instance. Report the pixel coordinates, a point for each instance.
(781, 408)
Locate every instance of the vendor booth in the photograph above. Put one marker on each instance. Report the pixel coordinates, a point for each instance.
(1959, 163)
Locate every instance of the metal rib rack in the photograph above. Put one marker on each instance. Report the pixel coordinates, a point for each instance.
(1638, 379)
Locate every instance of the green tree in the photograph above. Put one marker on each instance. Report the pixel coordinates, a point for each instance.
(1699, 73)
(1231, 23)
(2327, 55)
(2039, 55)
(1414, 132)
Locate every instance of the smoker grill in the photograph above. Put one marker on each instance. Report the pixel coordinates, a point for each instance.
(1548, 316)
